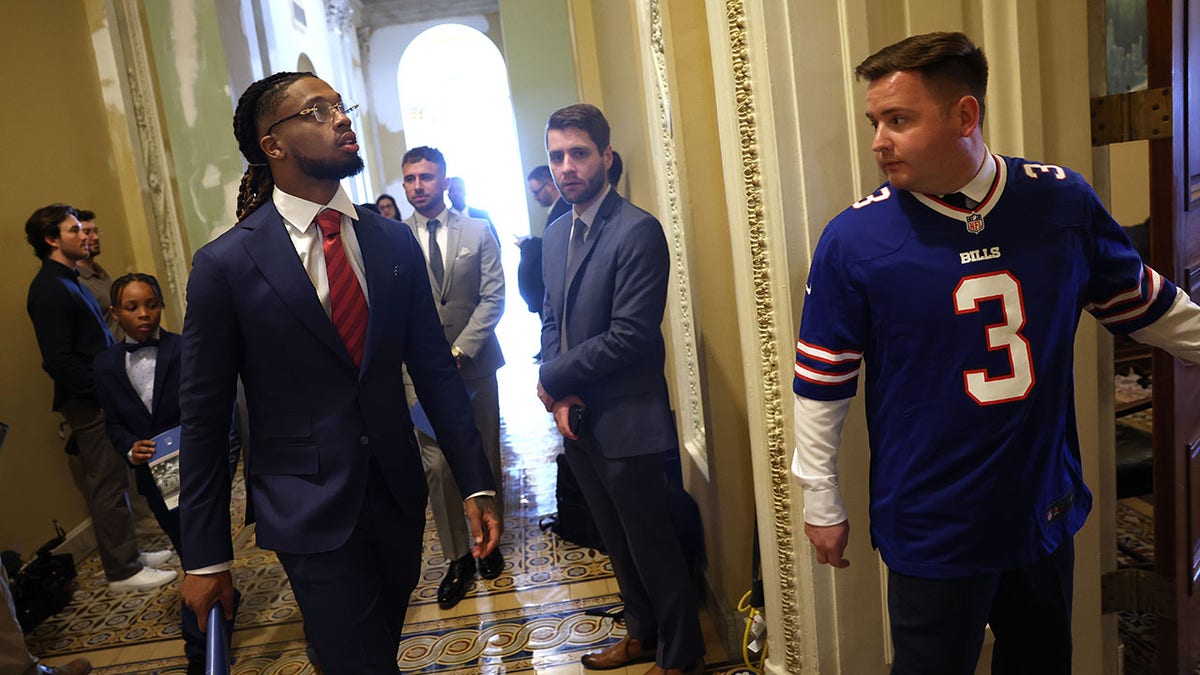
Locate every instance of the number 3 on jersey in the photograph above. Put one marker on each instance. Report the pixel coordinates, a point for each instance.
(1002, 286)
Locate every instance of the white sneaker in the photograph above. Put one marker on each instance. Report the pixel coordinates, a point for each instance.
(149, 578)
(153, 558)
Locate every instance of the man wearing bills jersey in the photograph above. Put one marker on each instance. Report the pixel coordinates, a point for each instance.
(959, 283)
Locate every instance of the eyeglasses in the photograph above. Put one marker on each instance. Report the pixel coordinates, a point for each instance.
(322, 112)
(541, 187)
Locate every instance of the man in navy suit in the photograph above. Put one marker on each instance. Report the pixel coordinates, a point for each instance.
(603, 354)
(317, 305)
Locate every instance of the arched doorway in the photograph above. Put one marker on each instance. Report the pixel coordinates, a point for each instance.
(453, 86)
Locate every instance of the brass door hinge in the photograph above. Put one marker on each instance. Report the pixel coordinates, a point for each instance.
(1132, 116)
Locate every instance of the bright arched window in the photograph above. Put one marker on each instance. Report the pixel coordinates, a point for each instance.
(454, 96)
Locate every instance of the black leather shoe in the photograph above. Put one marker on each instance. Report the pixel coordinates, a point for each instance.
(458, 579)
(491, 566)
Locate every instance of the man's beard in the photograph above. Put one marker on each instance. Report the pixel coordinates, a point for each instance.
(594, 186)
(328, 169)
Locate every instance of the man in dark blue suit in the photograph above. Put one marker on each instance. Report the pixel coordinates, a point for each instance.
(602, 377)
(317, 305)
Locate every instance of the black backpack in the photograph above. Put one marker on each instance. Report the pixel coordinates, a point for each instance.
(41, 588)
(574, 521)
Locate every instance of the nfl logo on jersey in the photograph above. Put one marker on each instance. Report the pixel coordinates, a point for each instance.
(974, 223)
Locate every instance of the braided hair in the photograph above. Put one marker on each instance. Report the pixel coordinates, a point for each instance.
(260, 99)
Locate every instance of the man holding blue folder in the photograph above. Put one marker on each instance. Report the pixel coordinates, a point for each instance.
(317, 305)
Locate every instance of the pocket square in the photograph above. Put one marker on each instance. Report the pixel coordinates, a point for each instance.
(463, 251)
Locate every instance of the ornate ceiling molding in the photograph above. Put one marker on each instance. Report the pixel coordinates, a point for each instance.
(378, 13)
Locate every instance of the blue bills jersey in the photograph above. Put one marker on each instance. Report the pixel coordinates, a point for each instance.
(962, 323)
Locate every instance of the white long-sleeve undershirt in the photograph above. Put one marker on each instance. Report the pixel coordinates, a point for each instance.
(818, 424)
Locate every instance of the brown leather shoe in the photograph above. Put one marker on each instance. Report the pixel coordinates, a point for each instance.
(76, 667)
(628, 650)
(696, 668)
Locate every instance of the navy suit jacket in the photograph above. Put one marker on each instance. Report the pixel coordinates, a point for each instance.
(315, 419)
(610, 305)
(124, 413)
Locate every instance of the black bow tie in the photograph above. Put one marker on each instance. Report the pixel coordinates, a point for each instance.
(132, 347)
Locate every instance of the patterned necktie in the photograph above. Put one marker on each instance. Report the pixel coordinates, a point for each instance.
(575, 246)
(574, 250)
(348, 305)
(435, 254)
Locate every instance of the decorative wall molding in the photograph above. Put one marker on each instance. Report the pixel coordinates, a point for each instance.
(763, 353)
(680, 311)
(153, 161)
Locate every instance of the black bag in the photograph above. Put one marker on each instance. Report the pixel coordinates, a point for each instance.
(574, 521)
(43, 587)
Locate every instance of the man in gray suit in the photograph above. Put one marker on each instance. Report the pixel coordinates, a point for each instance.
(463, 261)
(602, 377)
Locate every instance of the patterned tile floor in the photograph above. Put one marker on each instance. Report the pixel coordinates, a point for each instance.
(537, 617)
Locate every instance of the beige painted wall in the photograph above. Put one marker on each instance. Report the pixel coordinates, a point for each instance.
(62, 153)
(1129, 173)
(726, 497)
(541, 77)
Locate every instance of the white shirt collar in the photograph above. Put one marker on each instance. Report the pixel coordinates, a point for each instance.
(299, 213)
(979, 186)
(443, 218)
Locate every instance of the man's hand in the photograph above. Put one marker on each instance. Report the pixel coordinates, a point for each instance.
(141, 452)
(201, 591)
(562, 415)
(547, 399)
(485, 525)
(830, 542)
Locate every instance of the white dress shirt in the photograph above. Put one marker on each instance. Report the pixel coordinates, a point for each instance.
(423, 232)
(299, 215)
(140, 367)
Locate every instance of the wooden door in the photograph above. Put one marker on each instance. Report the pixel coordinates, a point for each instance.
(1174, 61)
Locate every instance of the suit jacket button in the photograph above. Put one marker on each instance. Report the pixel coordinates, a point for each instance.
(443, 302)
(364, 440)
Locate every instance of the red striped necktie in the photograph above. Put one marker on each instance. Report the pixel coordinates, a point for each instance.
(348, 305)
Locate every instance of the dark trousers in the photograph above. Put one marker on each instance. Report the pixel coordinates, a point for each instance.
(107, 487)
(354, 597)
(628, 498)
(938, 624)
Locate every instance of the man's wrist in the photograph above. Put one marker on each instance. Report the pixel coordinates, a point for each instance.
(458, 354)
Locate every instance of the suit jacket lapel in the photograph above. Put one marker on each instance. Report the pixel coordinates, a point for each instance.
(168, 347)
(438, 291)
(125, 384)
(602, 215)
(273, 252)
(453, 239)
(374, 246)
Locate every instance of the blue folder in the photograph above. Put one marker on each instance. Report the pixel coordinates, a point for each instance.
(166, 442)
(217, 652)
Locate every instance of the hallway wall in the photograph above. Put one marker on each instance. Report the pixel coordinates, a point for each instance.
(60, 151)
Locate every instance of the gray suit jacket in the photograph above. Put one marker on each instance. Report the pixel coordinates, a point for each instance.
(610, 305)
(471, 298)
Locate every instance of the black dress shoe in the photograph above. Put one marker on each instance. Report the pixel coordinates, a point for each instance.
(458, 579)
(491, 566)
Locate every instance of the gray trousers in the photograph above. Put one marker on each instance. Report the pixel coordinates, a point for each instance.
(106, 491)
(444, 496)
(15, 659)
